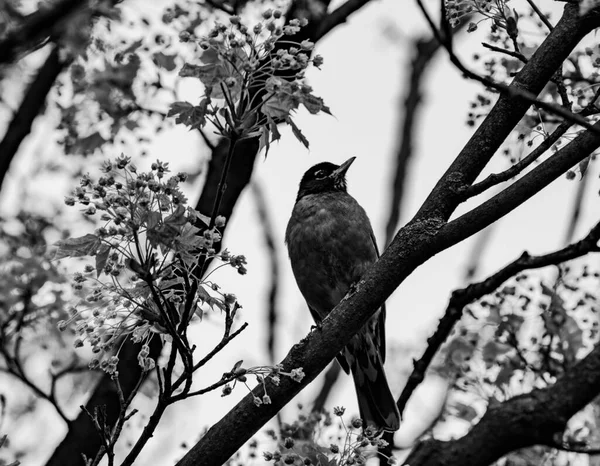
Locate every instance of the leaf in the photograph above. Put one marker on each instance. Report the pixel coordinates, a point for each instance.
(264, 141)
(464, 411)
(89, 144)
(492, 351)
(77, 247)
(162, 60)
(188, 114)
(133, 47)
(153, 219)
(274, 129)
(313, 103)
(213, 73)
(102, 258)
(177, 218)
(297, 132)
(279, 106)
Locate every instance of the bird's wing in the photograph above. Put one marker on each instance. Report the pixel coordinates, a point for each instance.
(380, 330)
(340, 356)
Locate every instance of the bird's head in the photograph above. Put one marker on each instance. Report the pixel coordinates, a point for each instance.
(324, 177)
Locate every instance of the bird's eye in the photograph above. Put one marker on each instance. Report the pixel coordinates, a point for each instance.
(320, 174)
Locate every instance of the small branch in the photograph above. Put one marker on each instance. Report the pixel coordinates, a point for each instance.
(511, 91)
(208, 357)
(497, 178)
(425, 50)
(573, 448)
(517, 55)
(541, 15)
(339, 16)
(270, 243)
(460, 298)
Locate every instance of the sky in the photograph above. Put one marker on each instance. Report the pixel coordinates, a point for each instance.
(363, 81)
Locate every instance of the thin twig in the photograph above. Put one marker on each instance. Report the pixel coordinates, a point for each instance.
(461, 298)
(497, 178)
(270, 243)
(508, 90)
(511, 53)
(541, 15)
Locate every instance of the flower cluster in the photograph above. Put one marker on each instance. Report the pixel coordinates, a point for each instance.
(262, 374)
(501, 15)
(258, 73)
(349, 446)
(147, 243)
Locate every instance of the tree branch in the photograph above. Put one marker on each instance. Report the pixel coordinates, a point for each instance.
(32, 104)
(36, 28)
(339, 16)
(460, 298)
(497, 178)
(425, 50)
(418, 241)
(534, 418)
(506, 113)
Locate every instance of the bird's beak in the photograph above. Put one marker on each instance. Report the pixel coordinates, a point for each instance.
(343, 168)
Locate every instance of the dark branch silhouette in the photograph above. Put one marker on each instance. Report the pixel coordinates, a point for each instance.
(461, 298)
(35, 29)
(31, 106)
(534, 418)
(424, 236)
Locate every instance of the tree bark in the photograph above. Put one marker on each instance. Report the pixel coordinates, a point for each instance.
(424, 236)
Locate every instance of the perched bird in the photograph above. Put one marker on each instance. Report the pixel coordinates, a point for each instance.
(331, 244)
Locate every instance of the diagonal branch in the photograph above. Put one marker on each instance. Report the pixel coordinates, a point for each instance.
(534, 418)
(461, 298)
(339, 16)
(424, 236)
(497, 178)
(512, 91)
(31, 106)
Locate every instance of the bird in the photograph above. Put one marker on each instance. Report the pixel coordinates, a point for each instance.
(331, 244)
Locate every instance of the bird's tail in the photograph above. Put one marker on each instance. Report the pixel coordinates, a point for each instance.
(376, 403)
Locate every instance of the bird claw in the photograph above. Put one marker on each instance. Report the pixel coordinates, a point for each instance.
(318, 326)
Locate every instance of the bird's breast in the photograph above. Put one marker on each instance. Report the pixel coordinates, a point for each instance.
(330, 245)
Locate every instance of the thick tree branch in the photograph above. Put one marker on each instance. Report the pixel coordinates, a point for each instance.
(32, 104)
(506, 113)
(497, 178)
(460, 298)
(524, 188)
(534, 418)
(514, 92)
(339, 16)
(69, 452)
(418, 241)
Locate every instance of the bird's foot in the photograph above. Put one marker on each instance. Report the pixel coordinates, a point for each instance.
(318, 326)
